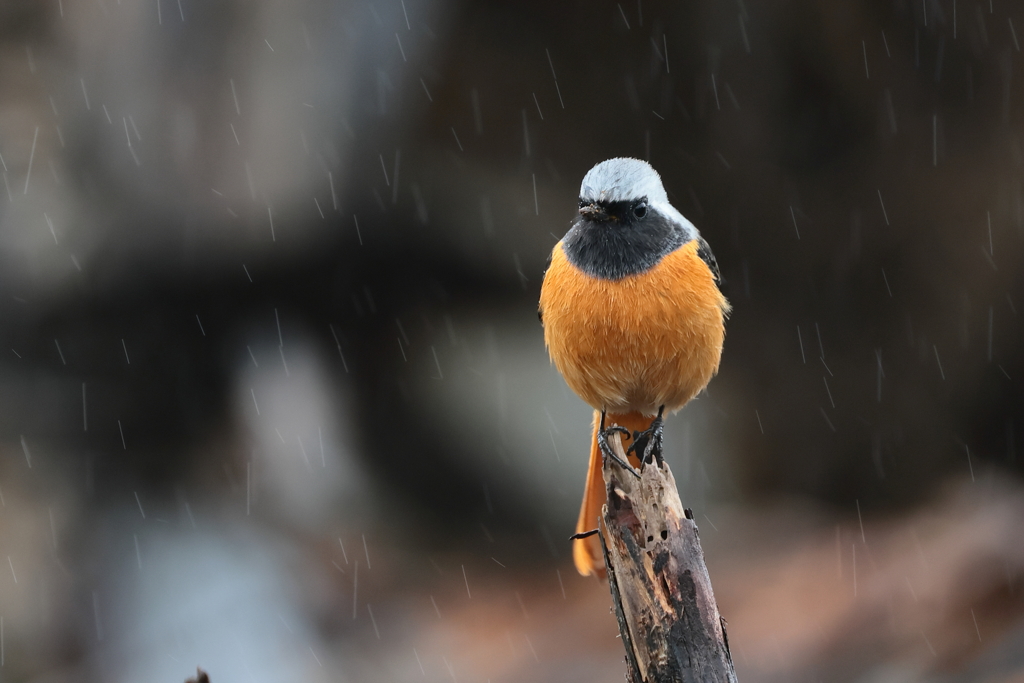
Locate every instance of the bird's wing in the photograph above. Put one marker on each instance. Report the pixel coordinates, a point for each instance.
(704, 251)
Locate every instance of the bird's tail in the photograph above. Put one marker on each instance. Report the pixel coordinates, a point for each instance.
(586, 552)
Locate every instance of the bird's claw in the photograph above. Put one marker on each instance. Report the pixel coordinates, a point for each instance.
(650, 441)
(606, 449)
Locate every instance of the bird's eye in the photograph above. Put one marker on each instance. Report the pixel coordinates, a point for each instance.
(640, 210)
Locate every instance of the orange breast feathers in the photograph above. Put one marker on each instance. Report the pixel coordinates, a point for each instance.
(638, 343)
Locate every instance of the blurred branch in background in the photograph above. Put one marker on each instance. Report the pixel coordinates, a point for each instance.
(200, 677)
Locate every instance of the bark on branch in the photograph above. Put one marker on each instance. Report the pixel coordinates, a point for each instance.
(659, 583)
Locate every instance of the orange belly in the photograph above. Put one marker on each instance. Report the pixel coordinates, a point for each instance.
(635, 344)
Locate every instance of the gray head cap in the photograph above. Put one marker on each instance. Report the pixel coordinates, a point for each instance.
(622, 179)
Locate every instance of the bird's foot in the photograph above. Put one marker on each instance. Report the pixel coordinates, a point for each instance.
(650, 441)
(606, 449)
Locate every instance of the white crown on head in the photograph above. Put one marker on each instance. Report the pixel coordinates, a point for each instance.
(622, 179)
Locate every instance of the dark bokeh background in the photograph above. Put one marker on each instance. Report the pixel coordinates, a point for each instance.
(269, 275)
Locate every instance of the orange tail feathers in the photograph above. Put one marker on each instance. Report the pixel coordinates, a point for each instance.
(586, 552)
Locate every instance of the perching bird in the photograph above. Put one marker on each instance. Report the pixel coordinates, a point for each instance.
(632, 314)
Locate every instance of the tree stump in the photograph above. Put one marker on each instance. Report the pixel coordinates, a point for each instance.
(660, 587)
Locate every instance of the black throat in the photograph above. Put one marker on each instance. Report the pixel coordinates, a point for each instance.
(622, 245)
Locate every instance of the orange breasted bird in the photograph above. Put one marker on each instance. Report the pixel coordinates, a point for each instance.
(632, 313)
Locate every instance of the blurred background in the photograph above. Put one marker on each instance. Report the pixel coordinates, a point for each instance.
(274, 398)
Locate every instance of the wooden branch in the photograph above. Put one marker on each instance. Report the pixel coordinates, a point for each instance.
(200, 677)
(659, 583)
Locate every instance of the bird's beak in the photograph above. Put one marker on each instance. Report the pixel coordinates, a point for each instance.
(594, 212)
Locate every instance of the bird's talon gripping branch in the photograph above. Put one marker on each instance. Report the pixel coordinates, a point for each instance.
(606, 449)
(650, 441)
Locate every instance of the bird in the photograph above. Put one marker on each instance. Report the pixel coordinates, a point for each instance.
(633, 317)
